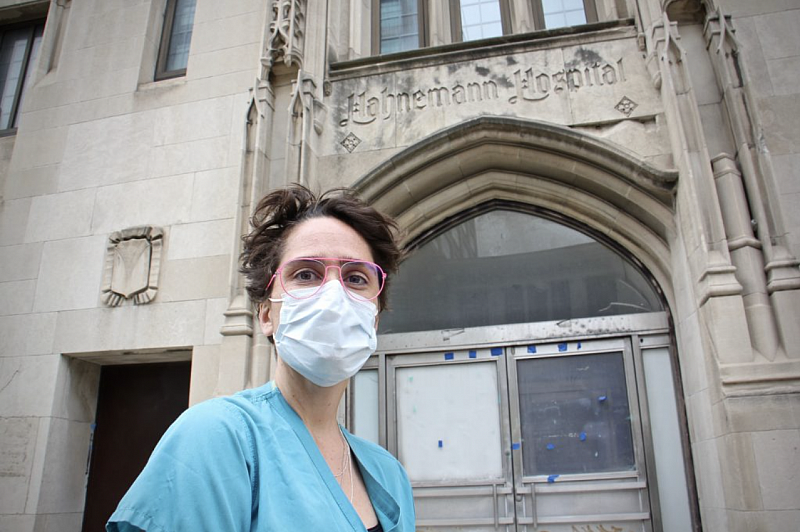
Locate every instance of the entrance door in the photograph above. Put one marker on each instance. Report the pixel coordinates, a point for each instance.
(528, 434)
(135, 406)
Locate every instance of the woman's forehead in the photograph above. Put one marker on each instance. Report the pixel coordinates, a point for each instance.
(326, 237)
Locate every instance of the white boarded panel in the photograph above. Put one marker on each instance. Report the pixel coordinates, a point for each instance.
(365, 404)
(448, 422)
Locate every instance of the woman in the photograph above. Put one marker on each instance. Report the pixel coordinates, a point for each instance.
(275, 458)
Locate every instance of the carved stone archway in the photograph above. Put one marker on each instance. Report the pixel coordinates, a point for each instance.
(541, 164)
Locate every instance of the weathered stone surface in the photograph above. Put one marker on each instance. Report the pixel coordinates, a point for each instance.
(214, 194)
(20, 262)
(16, 297)
(26, 387)
(197, 278)
(17, 442)
(27, 334)
(58, 216)
(778, 463)
(70, 274)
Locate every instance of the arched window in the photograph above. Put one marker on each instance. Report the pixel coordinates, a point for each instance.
(504, 267)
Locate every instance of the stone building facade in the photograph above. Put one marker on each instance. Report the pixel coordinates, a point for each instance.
(622, 177)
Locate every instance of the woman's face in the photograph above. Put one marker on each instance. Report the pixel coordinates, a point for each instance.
(317, 237)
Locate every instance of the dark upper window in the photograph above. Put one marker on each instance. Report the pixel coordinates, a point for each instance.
(399, 25)
(19, 47)
(176, 37)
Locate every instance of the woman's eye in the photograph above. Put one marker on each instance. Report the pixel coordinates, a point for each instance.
(356, 279)
(306, 276)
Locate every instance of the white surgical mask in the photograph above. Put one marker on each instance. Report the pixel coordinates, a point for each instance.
(328, 337)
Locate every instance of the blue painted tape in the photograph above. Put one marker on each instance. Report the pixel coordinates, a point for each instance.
(579, 345)
(550, 446)
(562, 347)
(552, 478)
(449, 356)
(473, 354)
(515, 446)
(441, 444)
(582, 436)
(497, 351)
(531, 349)
(602, 398)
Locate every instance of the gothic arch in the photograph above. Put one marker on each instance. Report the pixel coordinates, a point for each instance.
(545, 165)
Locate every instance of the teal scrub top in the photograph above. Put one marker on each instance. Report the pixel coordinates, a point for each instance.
(248, 463)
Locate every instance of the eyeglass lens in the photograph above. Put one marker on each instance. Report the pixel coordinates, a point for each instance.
(361, 279)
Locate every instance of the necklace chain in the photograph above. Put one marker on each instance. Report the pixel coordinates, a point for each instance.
(347, 466)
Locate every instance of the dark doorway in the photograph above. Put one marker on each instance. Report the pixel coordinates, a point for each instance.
(135, 406)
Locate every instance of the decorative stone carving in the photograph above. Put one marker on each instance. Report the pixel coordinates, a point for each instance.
(286, 32)
(626, 106)
(351, 142)
(133, 261)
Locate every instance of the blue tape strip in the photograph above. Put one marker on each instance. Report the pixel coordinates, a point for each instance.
(582, 436)
(552, 478)
(515, 446)
(562, 347)
(441, 444)
(550, 446)
(449, 356)
(497, 351)
(473, 354)
(602, 398)
(531, 349)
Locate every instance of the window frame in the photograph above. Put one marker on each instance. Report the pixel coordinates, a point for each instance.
(31, 25)
(422, 26)
(455, 19)
(589, 9)
(163, 49)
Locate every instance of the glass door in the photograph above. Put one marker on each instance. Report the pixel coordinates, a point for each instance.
(577, 447)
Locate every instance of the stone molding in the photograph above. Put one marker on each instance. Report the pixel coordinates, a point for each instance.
(132, 265)
(538, 163)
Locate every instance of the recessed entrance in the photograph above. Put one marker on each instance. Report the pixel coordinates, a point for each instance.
(514, 381)
(135, 406)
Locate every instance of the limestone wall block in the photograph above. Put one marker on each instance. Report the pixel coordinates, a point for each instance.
(778, 33)
(17, 442)
(205, 373)
(70, 274)
(121, 81)
(76, 386)
(208, 11)
(39, 148)
(16, 297)
(778, 463)
(201, 239)
(162, 202)
(20, 262)
(741, 8)
(215, 194)
(107, 151)
(787, 172)
(763, 413)
(708, 474)
(781, 127)
(28, 389)
(784, 73)
(225, 32)
(747, 35)
(27, 334)
(204, 119)
(17, 522)
(197, 278)
(194, 156)
(36, 181)
(215, 317)
(152, 326)
(62, 215)
(63, 486)
(225, 61)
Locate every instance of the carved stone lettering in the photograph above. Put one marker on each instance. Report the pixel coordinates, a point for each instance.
(520, 86)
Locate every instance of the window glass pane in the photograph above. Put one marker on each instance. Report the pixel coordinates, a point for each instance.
(441, 429)
(181, 36)
(574, 415)
(510, 267)
(480, 19)
(365, 404)
(399, 26)
(37, 42)
(12, 57)
(561, 13)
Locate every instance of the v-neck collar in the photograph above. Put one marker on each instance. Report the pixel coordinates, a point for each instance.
(386, 508)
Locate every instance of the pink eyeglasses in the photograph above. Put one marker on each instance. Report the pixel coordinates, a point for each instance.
(303, 278)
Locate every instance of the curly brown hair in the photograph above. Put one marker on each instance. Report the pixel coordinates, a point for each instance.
(281, 210)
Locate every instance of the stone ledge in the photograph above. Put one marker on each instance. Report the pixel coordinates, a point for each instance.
(760, 378)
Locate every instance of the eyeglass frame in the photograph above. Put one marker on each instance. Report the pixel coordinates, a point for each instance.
(342, 262)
